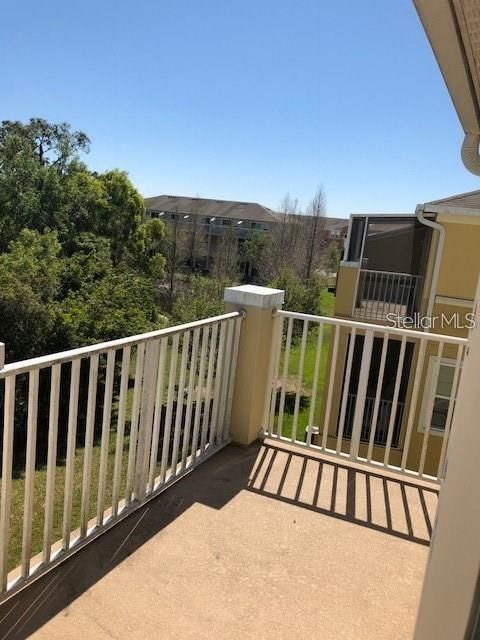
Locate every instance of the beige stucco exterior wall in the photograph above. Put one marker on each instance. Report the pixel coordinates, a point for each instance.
(346, 286)
(460, 264)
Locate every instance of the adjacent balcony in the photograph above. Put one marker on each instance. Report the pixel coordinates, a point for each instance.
(126, 511)
(383, 295)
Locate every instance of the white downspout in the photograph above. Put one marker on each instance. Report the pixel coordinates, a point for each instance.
(420, 211)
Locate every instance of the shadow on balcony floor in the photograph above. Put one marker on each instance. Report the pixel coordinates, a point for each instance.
(383, 502)
(199, 560)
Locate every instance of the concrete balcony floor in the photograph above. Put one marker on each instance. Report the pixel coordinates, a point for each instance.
(266, 542)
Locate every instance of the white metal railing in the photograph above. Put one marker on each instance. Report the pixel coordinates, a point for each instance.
(353, 367)
(380, 293)
(382, 419)
(119, 422)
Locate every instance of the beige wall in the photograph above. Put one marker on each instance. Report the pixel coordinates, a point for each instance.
(345, 295)
(460, 264)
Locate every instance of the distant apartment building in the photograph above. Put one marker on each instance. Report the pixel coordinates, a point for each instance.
(219, 220)
(418, 272)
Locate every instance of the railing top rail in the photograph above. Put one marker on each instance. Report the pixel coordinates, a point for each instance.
(367, 326)
(391, 273)
(22, 366)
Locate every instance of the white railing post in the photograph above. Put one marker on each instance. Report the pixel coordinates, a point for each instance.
(254, 357)
(146, 419)
(2, 355)
(361, 394)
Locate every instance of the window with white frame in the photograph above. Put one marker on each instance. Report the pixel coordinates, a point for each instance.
(442, 388)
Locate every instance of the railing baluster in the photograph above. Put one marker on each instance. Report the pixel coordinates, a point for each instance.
(430, 406)
(200, 391)
(30, 471)
(451, 405)
(190, 389)
(361, 394)
(316, 372)
(231, 379)
(374, 291)
(274, 370)
(286, 360)
(132, 445)
(157, 416)
(179, 412)
(227, 355)
(168, 416)
(413, 403)
(71, 446)
(122, 405)
(217, 385)
(346, 385)
(298, 389)
(393, 410)
(105, 439)
(88, 446)
(7, 464)
(51, 461)
(208, 392)
(331, 384)
(378, 396)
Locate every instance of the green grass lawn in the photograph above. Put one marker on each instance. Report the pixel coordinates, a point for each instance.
(327, 305)
(18, 488)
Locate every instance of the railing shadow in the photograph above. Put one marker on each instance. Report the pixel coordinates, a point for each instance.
(362, 497)
(385, 503)
(214, 483)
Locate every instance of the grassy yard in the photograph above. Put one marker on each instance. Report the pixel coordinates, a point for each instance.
(18, 487)
(308, 374)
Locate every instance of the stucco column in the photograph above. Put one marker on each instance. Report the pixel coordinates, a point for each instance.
(253, 364)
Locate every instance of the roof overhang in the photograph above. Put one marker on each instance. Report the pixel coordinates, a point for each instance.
(452, 29)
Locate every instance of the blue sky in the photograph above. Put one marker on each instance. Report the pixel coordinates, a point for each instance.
(243, 99)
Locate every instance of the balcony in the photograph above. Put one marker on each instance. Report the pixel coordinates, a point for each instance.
(143, 516)
(265, 542)
(383, 295)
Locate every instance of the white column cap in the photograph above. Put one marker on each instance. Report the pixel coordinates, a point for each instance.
(250, 295)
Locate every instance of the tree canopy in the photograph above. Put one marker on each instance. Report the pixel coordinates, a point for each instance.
(78, 262)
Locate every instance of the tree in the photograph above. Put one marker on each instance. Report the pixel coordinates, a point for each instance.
(313, 226)
(253, 252)
(35, 160)
(200, 297)
(195, 237)
(148, 248)
(51, 144)
(121, 211)
(29, 281)
(285, 239)
(120, 304)
(225, 260)
(331, 257)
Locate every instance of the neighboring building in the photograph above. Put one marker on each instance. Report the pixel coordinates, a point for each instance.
(403, 270)
(216, 220)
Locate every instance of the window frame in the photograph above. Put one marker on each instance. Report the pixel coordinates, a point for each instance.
(429, 389)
